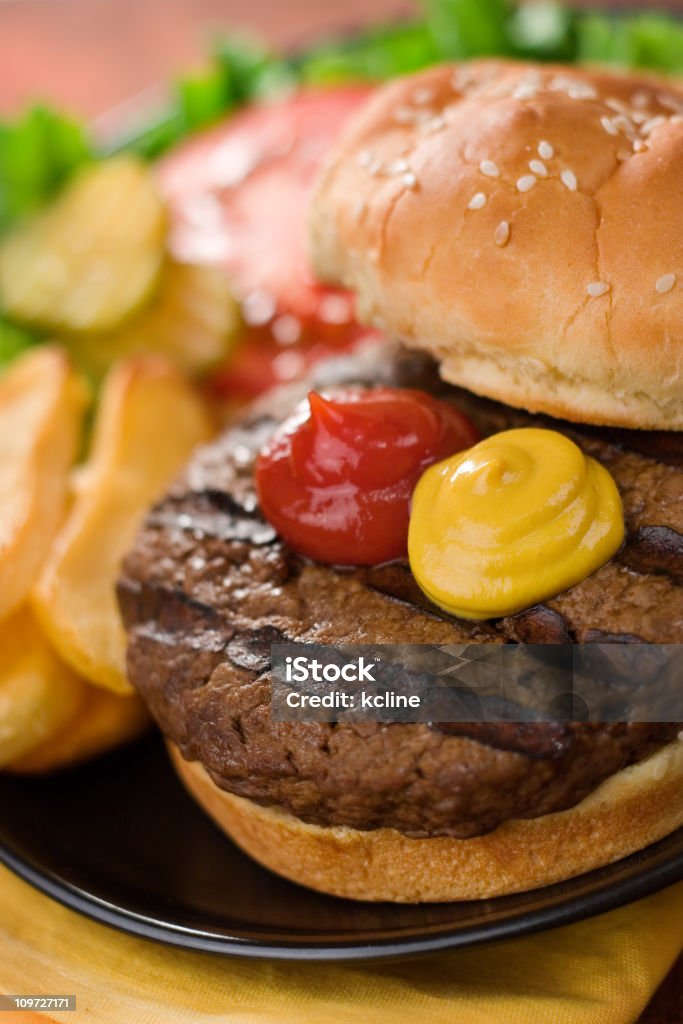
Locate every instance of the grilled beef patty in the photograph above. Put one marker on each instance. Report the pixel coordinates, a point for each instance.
(209, 586)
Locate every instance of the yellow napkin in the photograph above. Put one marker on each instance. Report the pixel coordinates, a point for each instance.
(601, 971)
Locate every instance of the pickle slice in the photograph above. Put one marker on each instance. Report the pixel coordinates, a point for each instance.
(93, 258)
(193, 319)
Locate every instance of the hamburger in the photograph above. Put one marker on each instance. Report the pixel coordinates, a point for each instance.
(517, 231)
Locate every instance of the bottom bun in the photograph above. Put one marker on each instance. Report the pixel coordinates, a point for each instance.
(630, 810)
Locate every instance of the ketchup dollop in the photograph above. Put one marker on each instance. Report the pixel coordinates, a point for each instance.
(336, 478)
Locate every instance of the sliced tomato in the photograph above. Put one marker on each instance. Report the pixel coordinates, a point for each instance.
(238, 197)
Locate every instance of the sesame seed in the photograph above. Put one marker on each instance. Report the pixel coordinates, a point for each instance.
(545, 150)
(639, 145)
(568, 179)
(404, 115)
(524, 91)
(502, 234)
(375, 167)
(539, 168)
(526, 183)
(560, 83)
(676, 119)
(532, 77)
(359, 208)
(597, 288)
(640, 99)
(653, 123)
(616, 105)
(423, 95)
(581, 91)
(665, 283)
(399, 166)
(477, 201)
(623, 123)
(434, 124)
(462, 78)
(489, 168)
(609, 126)
(639, 117)
(670, 102)
(365, 158)
(409, 180)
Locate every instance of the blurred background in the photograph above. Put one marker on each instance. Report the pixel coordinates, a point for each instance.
(90, 55)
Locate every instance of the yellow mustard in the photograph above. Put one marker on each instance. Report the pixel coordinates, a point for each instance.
(512, 521)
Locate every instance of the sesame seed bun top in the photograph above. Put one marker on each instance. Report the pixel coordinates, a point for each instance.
(525, 224)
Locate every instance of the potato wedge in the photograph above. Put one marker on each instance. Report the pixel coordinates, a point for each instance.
(41, 408)
(194, 319)
(92, 258)
(148, 422)
(39, 694)
(104, 721)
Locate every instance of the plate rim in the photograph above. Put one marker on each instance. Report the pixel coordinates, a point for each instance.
(609, 896)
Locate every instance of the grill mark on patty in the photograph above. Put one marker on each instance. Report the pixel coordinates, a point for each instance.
(539, 741)
(171, 608)
(213, 513)
(168, 616)
(537, 625)
(396, 581)
(600, 636)
(250, 648)
(655, 549)
(660, 445)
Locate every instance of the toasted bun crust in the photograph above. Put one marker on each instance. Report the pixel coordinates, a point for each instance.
(632, 809)
(499, 292)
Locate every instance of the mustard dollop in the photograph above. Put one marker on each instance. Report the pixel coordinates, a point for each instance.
(518, 518)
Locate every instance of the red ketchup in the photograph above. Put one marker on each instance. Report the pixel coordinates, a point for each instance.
(336, 478)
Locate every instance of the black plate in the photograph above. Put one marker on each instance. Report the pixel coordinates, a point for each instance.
(120, 841)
